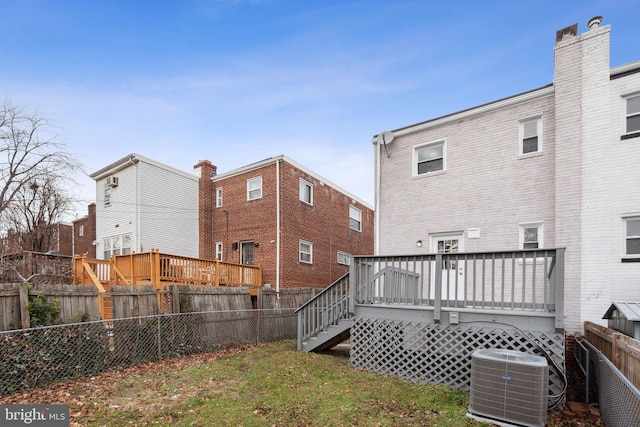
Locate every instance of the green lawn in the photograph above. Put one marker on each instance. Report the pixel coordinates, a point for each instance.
(265, 385)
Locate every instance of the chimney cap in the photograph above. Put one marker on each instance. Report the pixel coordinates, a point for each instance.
(594, 22)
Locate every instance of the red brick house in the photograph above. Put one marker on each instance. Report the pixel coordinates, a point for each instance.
(84, 233)
(299, 227)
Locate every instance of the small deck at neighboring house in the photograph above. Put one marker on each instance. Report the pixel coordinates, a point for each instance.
(160, 270)
(420, 317)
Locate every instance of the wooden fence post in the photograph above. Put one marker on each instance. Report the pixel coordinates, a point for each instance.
(24, 299)
(175, 299)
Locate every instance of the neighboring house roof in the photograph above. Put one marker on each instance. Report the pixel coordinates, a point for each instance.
(134, 158)
(271, 160)
(630, 310)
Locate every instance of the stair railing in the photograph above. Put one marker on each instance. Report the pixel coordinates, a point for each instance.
(325, 309)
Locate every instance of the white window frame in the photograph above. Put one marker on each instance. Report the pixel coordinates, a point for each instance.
(344, 258)
(416, 161)
(521, 135)
(306, 185)
(254, 185)
(627, 115)
(355, 218)
(539, 225)
(219, 251)
(218, 197)
(306, 252)
(117, 245)
(626, 236)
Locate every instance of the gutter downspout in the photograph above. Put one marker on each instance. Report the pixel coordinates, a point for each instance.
(376, 213)
(278, 228)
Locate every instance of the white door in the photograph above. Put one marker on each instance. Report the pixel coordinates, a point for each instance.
(452, 270)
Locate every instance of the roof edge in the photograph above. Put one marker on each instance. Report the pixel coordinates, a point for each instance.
(282, 157)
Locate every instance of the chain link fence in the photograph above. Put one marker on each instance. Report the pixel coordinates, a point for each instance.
(619, 400)
(40, 356)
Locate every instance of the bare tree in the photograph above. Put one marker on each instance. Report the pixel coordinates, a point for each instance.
(29, 152)
(35, 213)
(36, 174)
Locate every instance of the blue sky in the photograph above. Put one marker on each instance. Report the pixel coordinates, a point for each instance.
(238, 81)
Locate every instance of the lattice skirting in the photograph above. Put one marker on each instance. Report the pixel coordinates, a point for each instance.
(441, 354)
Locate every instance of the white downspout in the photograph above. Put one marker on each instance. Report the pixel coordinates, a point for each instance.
(376, 213)
(278, 228)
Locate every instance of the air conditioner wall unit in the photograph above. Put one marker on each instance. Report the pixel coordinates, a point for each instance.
(112, 181)
(509, 387)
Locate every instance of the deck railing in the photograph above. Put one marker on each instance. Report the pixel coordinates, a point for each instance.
(325, 309)
(159, 269)
(154, 268)
(526, 281)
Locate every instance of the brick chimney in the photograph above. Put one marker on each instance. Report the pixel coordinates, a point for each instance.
(205, 170)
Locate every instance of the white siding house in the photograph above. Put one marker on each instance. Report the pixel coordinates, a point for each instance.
(555, 167)
(143, 204)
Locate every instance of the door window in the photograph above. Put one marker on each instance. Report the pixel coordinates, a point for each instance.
(246, 253)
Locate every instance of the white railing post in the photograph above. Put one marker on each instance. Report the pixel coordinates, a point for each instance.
(437, 292)
(558, 284)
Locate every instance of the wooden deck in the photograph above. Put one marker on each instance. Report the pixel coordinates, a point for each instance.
(159, 269)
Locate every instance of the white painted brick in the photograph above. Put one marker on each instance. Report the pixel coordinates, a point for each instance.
(581, 185)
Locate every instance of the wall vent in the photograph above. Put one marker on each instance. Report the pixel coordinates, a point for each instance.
(509, 386)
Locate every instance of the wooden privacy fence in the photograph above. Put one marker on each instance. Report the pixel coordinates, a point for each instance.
(82, 302)
(622, 350)
(159, 270)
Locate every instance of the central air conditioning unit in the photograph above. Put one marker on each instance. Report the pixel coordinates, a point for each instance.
(509, 388)
(112, 181)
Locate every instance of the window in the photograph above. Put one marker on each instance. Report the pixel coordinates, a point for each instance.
(219, 251)
(306, 252)
(355, 219)
(81, 230)
(306, 192)
(632, 237)
(530, 135)
(246, 252)
(531, 236)
(254, 188)
(107, 195)
(117, 245)
(344, 258)
(633, 114)
(218, 197)
(429, 158)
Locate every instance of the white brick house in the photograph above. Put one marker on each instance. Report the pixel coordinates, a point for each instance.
(143, 204)
(558, 166)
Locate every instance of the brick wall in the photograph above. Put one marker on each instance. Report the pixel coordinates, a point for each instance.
(324, 224)
(206, 203)
(84, 244)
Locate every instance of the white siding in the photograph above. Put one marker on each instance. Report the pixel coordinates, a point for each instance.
(117, 218)
(168, 206)
(156, 204)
